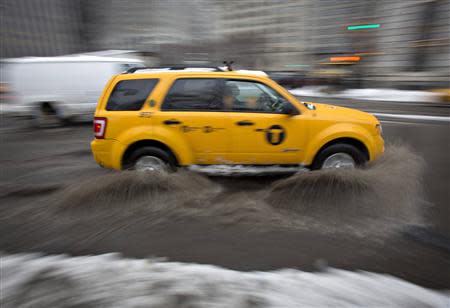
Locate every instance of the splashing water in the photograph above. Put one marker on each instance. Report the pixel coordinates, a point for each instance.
(386, 194)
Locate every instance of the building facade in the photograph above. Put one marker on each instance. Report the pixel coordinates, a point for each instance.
(273, 35)
(40, 28)
(412, 38)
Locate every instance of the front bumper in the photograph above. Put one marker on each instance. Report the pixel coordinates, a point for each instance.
(378, 147)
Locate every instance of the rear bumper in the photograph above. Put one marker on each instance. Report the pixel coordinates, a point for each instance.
(105, 152)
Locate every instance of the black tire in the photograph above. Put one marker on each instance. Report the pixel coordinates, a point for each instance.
(168, 158)
(46, 115)
(359, 157)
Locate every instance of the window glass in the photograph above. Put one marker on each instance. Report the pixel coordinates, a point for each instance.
(248, 96)
(130, 94)
(194, 94)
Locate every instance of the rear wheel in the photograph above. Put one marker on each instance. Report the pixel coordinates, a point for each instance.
(46, 115)
(150, 159)
(339, 156)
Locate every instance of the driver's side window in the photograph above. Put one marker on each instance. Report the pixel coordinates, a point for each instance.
(249, 96)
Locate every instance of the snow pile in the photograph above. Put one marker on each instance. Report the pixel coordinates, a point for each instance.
(314, 91)
(110, 281)
(392, 95)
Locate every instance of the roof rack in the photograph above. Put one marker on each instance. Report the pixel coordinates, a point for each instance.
(173, 68)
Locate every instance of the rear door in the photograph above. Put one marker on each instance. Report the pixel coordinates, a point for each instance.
(261, 132)
(192, 110)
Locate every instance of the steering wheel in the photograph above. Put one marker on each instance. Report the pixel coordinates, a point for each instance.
(277, 105)
(265, 102)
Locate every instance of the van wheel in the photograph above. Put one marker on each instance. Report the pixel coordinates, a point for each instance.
(46, 116)
(339, 156)
(150, 159)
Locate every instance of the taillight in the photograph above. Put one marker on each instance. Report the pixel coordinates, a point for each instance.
(99, 127)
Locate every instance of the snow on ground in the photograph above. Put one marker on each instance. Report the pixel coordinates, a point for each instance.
(392, 95)
(314, 91)
(31, 280)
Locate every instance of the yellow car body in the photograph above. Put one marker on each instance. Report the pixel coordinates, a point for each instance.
(215, 137)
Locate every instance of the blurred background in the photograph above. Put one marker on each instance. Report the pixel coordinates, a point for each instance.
(390, 58)
(347, 43)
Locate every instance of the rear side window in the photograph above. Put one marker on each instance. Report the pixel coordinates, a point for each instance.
(199, 94)
(129, 95)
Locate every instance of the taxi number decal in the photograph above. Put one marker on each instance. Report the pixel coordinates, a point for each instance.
(205, 129)
(275, 134)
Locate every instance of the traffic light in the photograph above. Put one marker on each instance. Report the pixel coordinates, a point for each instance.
(363, 27)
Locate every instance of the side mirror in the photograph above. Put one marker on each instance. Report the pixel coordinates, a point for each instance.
(289, 109)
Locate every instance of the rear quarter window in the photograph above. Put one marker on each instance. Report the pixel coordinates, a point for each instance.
(130, 95)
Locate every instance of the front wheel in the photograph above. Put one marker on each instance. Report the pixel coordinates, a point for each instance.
(150, 159)
(339, 156)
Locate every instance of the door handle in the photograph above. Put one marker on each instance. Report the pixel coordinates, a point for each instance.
(172, 122)
(245, 123)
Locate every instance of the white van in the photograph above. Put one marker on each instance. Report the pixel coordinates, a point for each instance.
(57, 89)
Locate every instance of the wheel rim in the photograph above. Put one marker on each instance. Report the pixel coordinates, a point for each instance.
(339, 160)
(150, 163)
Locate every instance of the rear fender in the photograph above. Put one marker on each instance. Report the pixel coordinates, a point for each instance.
(174, 142)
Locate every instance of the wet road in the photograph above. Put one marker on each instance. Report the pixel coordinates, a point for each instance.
(422, 128)
(36, 165)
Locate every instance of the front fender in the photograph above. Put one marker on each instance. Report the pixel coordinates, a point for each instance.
(336, 131)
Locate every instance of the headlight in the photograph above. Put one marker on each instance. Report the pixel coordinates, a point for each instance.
(379, 128)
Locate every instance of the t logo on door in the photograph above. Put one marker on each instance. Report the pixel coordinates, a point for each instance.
(275, 134)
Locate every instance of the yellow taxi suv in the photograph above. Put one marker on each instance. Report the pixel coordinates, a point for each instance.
(164, 118)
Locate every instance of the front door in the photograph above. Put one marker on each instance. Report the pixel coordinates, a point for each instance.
(261, 132)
